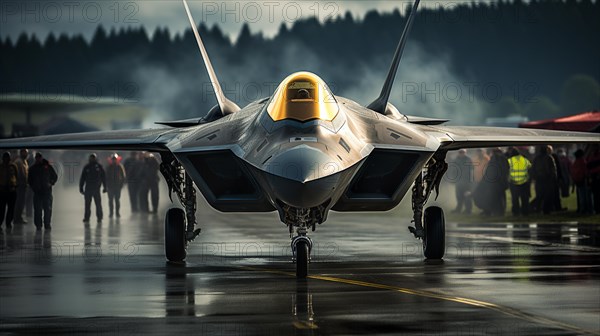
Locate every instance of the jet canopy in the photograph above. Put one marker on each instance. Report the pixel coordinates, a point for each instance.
(303, 96)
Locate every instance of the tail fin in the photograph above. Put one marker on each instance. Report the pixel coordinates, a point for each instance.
(226, 105)
(380, 104)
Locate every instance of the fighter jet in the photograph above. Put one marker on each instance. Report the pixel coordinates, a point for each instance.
(303, 152)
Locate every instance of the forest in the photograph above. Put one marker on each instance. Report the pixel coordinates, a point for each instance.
(538, 59)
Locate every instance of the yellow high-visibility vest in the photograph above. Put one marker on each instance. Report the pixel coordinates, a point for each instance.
(519, 169)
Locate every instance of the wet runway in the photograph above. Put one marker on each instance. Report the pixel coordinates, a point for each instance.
(367, 277)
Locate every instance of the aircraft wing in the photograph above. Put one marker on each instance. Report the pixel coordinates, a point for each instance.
(136, 140)
(457, 137)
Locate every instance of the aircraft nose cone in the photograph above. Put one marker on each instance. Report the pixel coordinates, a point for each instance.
(303, 176)
(302, 163)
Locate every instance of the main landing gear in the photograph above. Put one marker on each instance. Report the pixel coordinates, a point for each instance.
(175, 244)
(434, 237)
(179, 223)
(433, 232)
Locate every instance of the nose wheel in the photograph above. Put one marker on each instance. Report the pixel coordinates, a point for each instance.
(301, 247)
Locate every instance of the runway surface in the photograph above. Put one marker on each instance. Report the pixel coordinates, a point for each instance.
(367, 277)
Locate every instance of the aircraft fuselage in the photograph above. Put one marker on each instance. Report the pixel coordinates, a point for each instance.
(310, 166)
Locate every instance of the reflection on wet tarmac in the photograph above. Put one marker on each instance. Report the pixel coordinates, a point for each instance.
(111, 278)
(302, 307)
(180, 291)
(574, 233)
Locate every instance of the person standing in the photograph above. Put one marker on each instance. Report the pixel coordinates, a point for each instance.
(22, 171)
(519, 182)
(480, 162)
(92, 178)
(29, 195)
(565, 168)
(464, 182)
(8, 189)
(149, 184)
(546, 180)
(556, 189)
(115, 178)
(490, 193)
(580, 176)
(593, 166)
(133, 170)
(42, 177)
(503, 170)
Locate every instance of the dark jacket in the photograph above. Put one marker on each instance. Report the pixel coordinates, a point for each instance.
(133, 170)
(92, 177)
(115, 176)
(8, 177)
(465, 177)
(150, 171)
(493, 185)
(42, 177)
(544, 168)
(497, 171)
(593, 164)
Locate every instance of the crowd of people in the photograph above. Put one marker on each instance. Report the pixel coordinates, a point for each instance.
(26, 186)
(484, 177)
(21, 177)
(481, 178)
(139, 171)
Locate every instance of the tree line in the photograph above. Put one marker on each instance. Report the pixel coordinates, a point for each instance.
(537, 58)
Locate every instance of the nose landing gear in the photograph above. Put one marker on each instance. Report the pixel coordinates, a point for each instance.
(301, 248)
(299, 221)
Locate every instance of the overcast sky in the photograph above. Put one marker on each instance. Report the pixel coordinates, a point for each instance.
(83, 16)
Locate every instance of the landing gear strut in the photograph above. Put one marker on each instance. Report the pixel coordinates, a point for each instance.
(301, 248)
(433, 232)
(179, 223)
(298, 222)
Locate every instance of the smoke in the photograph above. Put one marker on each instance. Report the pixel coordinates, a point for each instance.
(160, 91)
(185, 91)
(425, 85)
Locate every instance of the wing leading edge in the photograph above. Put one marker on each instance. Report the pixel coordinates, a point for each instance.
(136, 140)
(457, 137)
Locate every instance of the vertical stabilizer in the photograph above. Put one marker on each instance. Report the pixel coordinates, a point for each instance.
(380, 104)
(226, 105)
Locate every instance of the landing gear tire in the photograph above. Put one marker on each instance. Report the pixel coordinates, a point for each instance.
(434, 240)
(302, 251)
(175, 246)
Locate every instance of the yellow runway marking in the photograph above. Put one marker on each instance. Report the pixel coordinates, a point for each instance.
(304, 325)
(471, 302)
